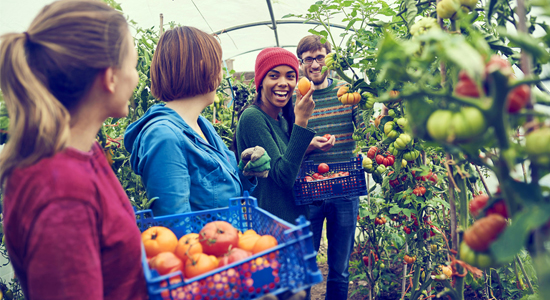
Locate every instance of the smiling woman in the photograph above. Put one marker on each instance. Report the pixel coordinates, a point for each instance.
(273, 123)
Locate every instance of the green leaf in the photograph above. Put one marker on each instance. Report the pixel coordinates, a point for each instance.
(515, 235)
(412, 10)
(489, 9)
(527, 43)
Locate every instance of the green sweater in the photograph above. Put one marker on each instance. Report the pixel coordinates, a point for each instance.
(274, 193)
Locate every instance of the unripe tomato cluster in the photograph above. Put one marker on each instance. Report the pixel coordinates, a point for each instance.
(460, 126)
(447, 9)
(217, 244)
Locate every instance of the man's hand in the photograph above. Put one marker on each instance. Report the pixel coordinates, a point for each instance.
(321, 143)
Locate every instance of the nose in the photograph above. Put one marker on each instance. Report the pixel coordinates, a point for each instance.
(283, 81)
(315, 64)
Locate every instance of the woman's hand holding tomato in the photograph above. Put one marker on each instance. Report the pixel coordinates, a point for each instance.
(303, 108)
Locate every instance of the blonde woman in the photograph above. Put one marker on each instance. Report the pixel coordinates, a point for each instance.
(70, 229)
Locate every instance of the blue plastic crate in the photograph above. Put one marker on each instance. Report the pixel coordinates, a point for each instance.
(307, 192)
(289, 266)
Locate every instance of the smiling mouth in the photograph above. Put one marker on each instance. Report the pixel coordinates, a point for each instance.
(281, 95)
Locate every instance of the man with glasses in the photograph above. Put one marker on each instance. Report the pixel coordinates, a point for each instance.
(331, 117)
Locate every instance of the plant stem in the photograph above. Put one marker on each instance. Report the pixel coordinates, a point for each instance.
(527, 280)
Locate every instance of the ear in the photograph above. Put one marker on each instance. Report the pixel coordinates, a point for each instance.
(108, 80)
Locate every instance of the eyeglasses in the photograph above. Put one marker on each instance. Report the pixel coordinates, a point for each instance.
(309, 60)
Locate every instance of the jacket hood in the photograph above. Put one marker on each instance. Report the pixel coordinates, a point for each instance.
(156, 113)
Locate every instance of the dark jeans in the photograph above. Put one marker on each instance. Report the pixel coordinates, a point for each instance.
(341, 215)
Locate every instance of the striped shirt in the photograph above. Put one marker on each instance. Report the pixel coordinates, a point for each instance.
(331, 117)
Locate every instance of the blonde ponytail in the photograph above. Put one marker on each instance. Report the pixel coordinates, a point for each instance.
(45, 73)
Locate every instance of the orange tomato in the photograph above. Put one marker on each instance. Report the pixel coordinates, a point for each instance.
(304, 85)
(165, 263)
(342, 90)
(188, 245)
(250, 231)
(158, 239)
(263, 243)
(200, 263)
(247, 241)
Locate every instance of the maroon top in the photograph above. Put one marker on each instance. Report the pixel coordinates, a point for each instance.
(70, 230)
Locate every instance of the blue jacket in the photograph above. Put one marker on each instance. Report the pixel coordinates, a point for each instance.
(179, 167)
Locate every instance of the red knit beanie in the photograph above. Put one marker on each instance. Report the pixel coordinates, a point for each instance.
(269, 58)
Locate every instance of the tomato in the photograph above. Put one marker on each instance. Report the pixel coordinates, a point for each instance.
(372, 152)
(200, 263)
(381, 169)
(308, 178)
(518, 98)
(391, 159)
(165, 263)
(438, 124)
(317, 176)
(323, 168)
(484, 231)
(419, 191)
(447, 270)
(158, 239)
(246, 242)
(218, 237)
(367, 164)
(388, 127)
(409, 259)
(466, 86)
(498, 208)
(386, 162)
(477, 259)
(402, 141)
(304, 85)
(234, 255)
(342, 90)
(407, 230)
(536, 146)
(411, 155)
(447, 8)
(402, 123)
(350, 98)
(188, 245)
(498, 63)
(327, 136)
(478, 203)
(468, 123)
(432, 177)
(329, 61)
(265, 242)
(379, 159)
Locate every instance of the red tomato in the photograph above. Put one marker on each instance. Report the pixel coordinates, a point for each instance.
(518, 98)
(323, 168)
(498, 208)
(477, 204)
(372, 152)
(235, 254)
(391, 159)
(466, 86)
(379, 159)
(165, 263)
(309, 178)
(218, 237)
(432, 177)
(327, 136)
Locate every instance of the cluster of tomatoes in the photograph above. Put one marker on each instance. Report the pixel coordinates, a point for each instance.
(409, 260)
(217, 244)
(380, 221)
(323, 172)
(477, 239)
(366, 258)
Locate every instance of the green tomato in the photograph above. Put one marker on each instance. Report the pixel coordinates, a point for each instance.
(423, 25)
(381, 169)
(388, 127)
(536, 146)
(393, 135)
(391, 148)
(391, 113)
(447, 8)
(438, 124)
(329, 61)
(367, 163)
(475, 120)
(481, 260)
(411, 155)
(382, 266)
(402, 123)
